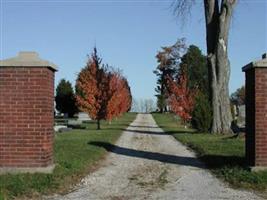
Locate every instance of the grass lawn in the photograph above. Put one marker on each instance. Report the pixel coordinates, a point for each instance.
(74, 158)
(224, 155)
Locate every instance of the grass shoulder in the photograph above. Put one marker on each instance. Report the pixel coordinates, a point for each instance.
(224, 155)
(74, 158)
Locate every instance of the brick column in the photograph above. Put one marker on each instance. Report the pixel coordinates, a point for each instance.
(256, 114)
(26, 114)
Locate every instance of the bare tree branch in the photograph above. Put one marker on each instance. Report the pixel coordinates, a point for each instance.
(182, 8)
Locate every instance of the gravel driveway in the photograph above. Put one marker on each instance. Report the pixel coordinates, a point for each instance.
(145, 163)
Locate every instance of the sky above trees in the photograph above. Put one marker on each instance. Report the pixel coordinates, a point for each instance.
(127, 33)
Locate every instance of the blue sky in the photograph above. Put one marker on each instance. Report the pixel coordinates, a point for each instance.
(127, 33)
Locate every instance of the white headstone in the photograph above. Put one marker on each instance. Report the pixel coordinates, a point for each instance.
(241, 118)
(82, 116)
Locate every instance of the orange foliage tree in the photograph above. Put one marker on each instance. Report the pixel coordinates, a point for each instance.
(101, 93)
(120, 96)
(181, 98)
(91, 88)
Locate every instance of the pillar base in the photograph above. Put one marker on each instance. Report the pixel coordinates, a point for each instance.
(258, 169)
(17, 170)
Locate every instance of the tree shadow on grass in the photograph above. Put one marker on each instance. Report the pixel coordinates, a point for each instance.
(180, 130)
(219, 161)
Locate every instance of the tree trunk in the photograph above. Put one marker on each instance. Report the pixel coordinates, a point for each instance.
(98, 124)
(217, 30)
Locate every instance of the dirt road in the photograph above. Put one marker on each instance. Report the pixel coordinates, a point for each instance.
(148, 164)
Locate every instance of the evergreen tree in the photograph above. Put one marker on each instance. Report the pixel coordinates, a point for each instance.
(202, 113)
(65, 99)
(195, 64)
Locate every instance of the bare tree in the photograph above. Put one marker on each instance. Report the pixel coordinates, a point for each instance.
(218, 14)
(135, 106)
(149, 105)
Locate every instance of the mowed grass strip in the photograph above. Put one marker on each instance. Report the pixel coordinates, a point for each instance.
(74, 158)
(223, 154)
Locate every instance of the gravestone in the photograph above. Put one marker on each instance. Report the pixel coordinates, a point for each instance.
(75, 123)
(57, 128)
(27, 114)
(83, 117)
(241, 116)
(235, 112)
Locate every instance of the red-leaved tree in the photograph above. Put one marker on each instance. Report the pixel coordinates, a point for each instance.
(92, 87)
(102, 93)
(181, 98)
(120, 96)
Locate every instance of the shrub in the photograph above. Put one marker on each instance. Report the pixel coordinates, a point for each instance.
(202, 113)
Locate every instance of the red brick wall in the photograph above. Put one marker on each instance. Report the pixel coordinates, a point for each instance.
(26, 116)
(256, 120)
(261, 116)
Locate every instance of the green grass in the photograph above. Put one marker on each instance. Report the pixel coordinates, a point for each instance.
(223, 154)
(74, 158)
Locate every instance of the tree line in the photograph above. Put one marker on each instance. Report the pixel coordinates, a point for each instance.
(182, 84)
(143, 105)
(218, 15)
(101, 91)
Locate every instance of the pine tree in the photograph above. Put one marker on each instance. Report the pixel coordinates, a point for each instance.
(195, 64)
(65, 98)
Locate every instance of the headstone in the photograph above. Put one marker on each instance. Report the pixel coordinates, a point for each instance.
(83, 117)
(74, 122)
(241, 116)
(58, 127)
(235, 112)
(63, 130)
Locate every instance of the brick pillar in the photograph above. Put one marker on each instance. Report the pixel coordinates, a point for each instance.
(26, 114)
(256, 114)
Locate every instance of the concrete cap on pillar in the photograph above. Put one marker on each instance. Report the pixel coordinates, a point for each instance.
(256, 64)
(27, 59)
